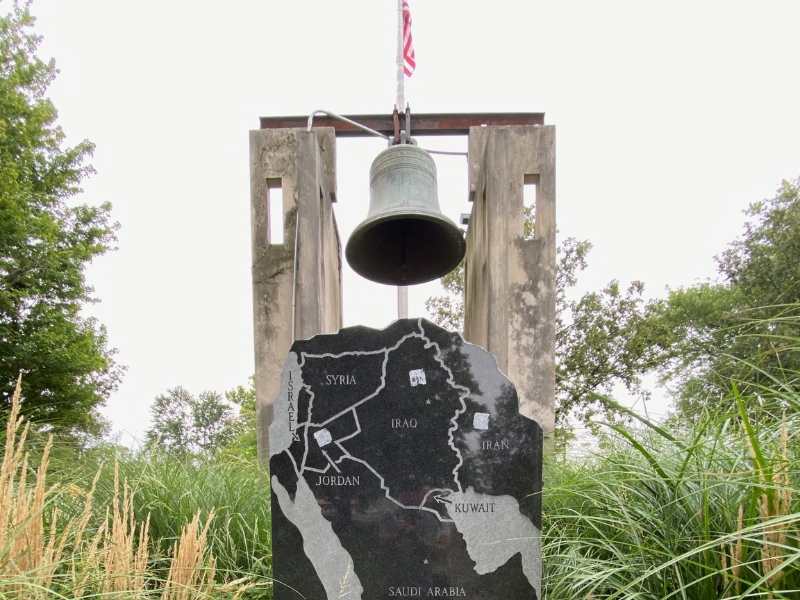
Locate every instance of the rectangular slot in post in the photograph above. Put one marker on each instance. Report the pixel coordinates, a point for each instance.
(529, 190)
(275, 212)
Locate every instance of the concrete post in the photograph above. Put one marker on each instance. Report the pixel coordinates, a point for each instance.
(303, 165)
(510, 282)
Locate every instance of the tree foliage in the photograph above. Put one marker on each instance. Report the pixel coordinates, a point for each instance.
(206, 424)
(701, 339)
(244, 442)
(743, 329)
(45, 243)
(448, 311)
(764, 265)
(602, 339)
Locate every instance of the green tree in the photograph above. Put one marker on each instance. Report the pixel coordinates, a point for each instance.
(765, 263)
(212, 422)
(185, 424)
(243, 442)
(172, 421)
(744, 328)
(603, 339)
(45, 243)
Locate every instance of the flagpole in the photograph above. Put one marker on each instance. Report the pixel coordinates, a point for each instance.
(400, 102)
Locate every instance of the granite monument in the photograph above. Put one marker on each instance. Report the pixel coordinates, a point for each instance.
(401, 468)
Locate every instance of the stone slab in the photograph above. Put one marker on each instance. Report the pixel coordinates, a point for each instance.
(402, 467)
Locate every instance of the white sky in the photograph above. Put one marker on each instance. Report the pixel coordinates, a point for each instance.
(671, 117)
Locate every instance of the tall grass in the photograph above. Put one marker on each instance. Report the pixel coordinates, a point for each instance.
(696, 511)
(29, 552)
(692, 511)
(224, 502)
(233, 494)
(703, 511)
(96, 541)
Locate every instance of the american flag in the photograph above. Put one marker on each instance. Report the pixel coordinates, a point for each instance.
(409, 63)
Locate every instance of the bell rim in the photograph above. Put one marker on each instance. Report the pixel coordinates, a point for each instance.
(438, 218)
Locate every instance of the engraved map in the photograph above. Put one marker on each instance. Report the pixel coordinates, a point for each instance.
(401, 467)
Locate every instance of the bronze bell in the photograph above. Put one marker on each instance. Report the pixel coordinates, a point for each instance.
(405, 239)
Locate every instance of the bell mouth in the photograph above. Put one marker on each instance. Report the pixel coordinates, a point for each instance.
(405, 249)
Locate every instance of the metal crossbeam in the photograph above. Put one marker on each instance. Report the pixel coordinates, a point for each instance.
(421, 124)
